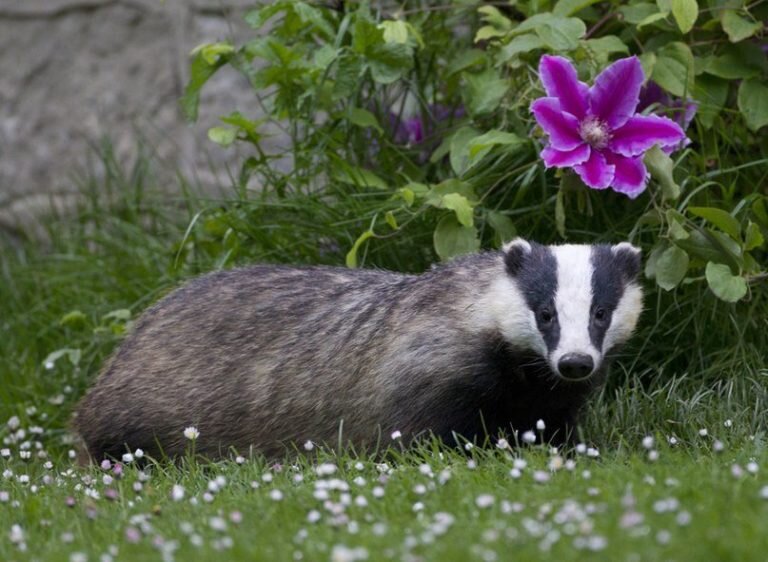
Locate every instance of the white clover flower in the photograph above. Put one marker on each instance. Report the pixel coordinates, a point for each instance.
(313, 516)
(138, 453)
(703, 432)
(191, 433)
(648, 442)
(484, 501)
(683, 518)
(752, 467)
(764, 492)
(418, 506)
(718, 446)
(737, 471)
(672, 440)
(177, 492)
(728, 423)
(540, 425)
(529, 437)
(308, 445)
(276, 495)
(515, 473)
(396, 435)
(653, 455)
(468, 446)
(378, 492)
(502, 443)
(592, 452)
(541, 476)
(581, 448)
(217, 523)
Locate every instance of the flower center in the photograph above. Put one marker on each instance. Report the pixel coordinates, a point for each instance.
(594, 132)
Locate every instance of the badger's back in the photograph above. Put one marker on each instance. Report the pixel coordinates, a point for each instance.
(268, 355)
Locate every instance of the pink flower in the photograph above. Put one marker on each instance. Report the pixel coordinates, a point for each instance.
(596, 131)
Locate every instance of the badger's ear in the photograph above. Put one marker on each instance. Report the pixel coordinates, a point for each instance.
(515, 252)
(627, 259)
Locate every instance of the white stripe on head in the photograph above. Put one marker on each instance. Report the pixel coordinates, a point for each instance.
(624, 317)
(573, 301)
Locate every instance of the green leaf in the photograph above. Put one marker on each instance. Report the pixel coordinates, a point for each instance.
(720, 218)
(212, 53)
(351, 258)
(480, 146)
(484, 91)
(636, 13)
(459, 149)
(676, 220)
(502, 225)
(653, 259)
(461, 206)
(737, 27)
(604, 47)
(520, 44)
(653, 18)
(671, 267)
(395, 31)
(72, 354)
(435, 195)
(570, 7)
(753, 103)
(660, 166)
(753, 238)
(364, 118)
(674, 69)
(200, 72)
(309, 15)
(389, 61)
(724, 284)
(711, 93)
(389, 216)
(222, 135)
(562, 34)
(360, 177)
(349, 70)
(75, 318)
(686, 12)
(452, 239)
(741, 61)
(466, 59)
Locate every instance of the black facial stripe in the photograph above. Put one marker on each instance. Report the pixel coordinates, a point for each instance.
(536, 278)
(608, 281)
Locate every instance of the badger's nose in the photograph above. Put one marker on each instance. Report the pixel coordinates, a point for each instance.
(575, 366)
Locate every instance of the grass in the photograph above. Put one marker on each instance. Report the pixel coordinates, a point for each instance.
(686, 496)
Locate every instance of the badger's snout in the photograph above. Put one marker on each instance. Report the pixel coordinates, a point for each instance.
(575, 366)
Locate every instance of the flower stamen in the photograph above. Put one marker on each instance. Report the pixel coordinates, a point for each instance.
(595, 132)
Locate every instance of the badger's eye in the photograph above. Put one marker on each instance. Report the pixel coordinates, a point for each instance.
(599, 314)
(546, 316)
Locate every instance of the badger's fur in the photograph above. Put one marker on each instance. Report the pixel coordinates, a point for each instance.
(268, 356)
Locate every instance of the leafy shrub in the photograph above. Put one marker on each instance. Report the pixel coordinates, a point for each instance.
(411, 122)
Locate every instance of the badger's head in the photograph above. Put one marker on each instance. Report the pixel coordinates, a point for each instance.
(571, 304)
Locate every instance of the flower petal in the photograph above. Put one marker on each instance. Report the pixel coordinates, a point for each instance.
(554, 158)
(596, 172)
(560, 81)
(641, 132)
(616, 92)
(561, 126)
(630, 176)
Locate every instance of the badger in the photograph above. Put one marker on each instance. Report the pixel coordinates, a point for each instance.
(266, 358)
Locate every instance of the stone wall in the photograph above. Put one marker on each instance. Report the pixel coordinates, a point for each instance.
(74, 72)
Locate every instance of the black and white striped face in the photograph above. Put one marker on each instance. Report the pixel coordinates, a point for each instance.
(581, 300)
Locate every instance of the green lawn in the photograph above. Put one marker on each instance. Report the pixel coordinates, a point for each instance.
(701, 498)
